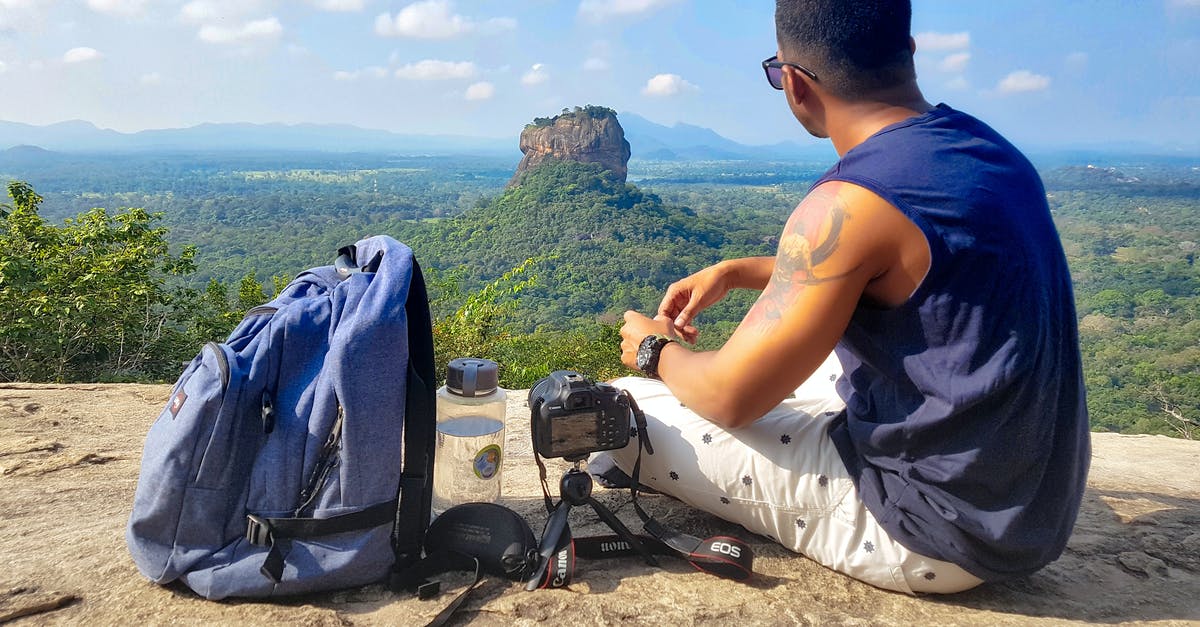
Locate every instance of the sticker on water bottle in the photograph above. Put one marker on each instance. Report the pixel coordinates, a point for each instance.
(487, 461)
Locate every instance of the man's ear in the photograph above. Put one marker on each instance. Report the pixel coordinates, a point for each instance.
(912, 45)
(795, 85)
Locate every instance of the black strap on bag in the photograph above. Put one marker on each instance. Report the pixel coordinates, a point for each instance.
(416, 478)
(417, 577)
(272, 532)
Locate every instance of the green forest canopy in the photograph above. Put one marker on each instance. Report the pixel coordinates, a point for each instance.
(536, 276)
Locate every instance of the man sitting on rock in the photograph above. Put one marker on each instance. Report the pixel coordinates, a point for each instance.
(945, 442)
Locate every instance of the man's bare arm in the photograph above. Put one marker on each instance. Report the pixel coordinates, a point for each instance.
(809, 239)
(834, 243)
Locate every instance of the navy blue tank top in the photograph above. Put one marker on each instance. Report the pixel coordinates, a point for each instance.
(966, 424)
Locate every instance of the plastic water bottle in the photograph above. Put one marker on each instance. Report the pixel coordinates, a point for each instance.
(470, 435)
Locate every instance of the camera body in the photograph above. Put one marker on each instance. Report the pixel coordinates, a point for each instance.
(572, 416)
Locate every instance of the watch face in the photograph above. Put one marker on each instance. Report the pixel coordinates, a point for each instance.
(645, 353)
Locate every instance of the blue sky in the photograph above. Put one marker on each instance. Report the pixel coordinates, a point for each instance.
(1045, 73)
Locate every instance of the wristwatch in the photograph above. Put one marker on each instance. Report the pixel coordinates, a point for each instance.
(648, 353)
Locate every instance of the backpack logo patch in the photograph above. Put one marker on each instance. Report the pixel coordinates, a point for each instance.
(177, 402)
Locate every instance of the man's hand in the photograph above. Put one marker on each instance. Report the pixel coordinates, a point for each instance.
(689, 296)
(636, 328)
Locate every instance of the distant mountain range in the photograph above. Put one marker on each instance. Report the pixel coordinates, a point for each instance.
(650, 141)
(80, 136)
(685, 142)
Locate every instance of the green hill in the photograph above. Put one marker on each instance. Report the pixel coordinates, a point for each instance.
(601, 246)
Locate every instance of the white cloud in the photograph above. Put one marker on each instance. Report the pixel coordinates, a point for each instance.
(482, 90)
(535, 76)
(1022, 81)
(3, 67)
(152, 78)
(595, 64)
(432, 70)
(955, 63)
(199, 11)
(339, 5)
(603, 9)
(435, 19)
(208, 11)
(117, 7)
(668, 85)
(81, 55)
(430, 19)
(254, 30)
(19, 15)
(369, 72)
(942, 42)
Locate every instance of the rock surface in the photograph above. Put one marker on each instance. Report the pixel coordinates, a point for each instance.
(69, 462)
(587, 135)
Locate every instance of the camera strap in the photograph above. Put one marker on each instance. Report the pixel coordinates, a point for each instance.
(723, 556)
(559, 569)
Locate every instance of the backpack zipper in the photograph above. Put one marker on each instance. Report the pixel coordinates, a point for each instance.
(261, 310)
(325, 463)
(268, 402)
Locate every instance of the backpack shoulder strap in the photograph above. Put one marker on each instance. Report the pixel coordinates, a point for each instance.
(416, 479)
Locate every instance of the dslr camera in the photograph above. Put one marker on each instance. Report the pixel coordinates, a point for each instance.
(572, 416)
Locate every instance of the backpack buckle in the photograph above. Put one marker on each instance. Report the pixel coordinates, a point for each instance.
(258, 530)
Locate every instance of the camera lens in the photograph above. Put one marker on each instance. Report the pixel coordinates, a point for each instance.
(537, 390)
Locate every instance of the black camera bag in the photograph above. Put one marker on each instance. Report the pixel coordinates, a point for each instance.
(497, 536)
(472, 537)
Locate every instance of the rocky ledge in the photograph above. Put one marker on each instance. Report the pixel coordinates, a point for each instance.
(69, 462)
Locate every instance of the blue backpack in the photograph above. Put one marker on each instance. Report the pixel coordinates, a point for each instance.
(275, 467)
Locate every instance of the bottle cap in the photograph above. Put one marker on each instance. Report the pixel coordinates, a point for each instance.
(470, 377)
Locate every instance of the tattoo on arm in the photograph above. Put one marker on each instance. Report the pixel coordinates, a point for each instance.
(803, 247)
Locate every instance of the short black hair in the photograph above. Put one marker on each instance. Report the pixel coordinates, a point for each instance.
(856, 47)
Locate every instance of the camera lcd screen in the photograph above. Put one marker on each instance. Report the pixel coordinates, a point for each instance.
(575, 434)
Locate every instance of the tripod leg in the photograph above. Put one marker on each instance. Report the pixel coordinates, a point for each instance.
(552, 535)
(622, 531)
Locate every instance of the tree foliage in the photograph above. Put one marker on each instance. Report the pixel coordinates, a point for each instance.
(86, 300)
(605, 246)
(481, 324)
(1131, 243)
(589, 111)
(599, 246)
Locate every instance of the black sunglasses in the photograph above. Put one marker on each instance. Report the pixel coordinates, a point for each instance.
(773, 67)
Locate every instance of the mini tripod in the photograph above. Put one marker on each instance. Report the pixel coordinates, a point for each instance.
(575, 488)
